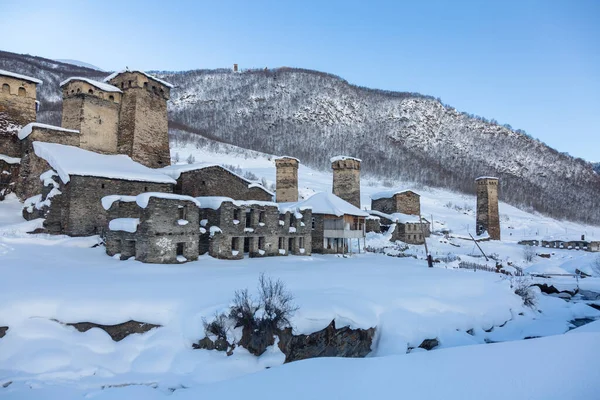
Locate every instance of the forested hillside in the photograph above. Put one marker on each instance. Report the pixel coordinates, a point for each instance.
(313, 116)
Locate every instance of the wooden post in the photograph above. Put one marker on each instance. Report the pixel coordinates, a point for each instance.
(477, 244)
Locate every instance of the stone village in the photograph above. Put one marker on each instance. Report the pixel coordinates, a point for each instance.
(106, 171)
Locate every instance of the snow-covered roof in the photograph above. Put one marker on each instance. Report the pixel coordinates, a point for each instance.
(175, 171)
(100, 85)
(390, 193)
(397, 217)
(114, 74)
(340, 158)
(27, 129)
(486, 177)
(285, 157)
(70, 160)
(10, 160)
(215, 202)
(329, 204)
(19, 76)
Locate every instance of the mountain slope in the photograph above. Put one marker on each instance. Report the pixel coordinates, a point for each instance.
(313, 116)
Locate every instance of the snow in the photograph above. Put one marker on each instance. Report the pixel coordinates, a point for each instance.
(261, 252)
(285, 157)
(341, 158)
(27, 129)
(182, 222)
(397, 217)
(124, 224)
(386, 194)
(281, 251)
(181, 259)
(292, 229)
(107, 201)
(214, 202)
(486, 177)
(19, 76)
(114, 74)
(100, 85)
(143, 198)
(329, 204)
(70, 160)
(214, 230)
(10, 160)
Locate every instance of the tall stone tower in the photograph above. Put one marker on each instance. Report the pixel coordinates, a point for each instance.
(287, 179)
(346, 179)
(143, 127)
(487, 207)
(92, 108)
(17, 108)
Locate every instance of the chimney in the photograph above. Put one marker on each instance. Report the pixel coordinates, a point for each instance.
(235, 68)
(346, 179)
(286, 189)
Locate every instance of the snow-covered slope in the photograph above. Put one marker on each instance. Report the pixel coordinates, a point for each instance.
(79, 64)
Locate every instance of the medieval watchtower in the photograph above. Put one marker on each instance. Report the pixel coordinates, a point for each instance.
(346, 179)
(487, 207)
(143, 127)
(18, 108)
(92, 108)
(287, 179)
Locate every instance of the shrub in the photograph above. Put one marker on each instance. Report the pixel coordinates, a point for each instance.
(522, 287)
(528, 253)
(218, 327)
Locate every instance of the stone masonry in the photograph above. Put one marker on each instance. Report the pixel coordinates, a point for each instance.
(405, 202)
(143, 124)
(93, 112)
(488, 218)
(346, 179)
(287, 179)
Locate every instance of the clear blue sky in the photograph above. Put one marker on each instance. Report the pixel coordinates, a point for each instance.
(532, 64)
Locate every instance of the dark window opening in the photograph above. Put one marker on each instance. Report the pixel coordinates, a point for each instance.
(313, 223)
(103, 186)
(301, 242)
(249, 215)
(145, 85)
(235, 243)
(111, 97)
(261, 243)
(261, 217)
(291, 244)
(183, 213)
(22, 92)
(180, 248)
(246, 245)
(129, 83)
(282, 243)
(5, 88)
(145, 188)
(236, 214)
(203, 183)
(122, 85)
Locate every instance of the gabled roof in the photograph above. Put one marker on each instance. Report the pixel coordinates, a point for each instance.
(114, 74)
(386, 194)
(329, 204)
(19, 76)
(70, 160)
(100, 85)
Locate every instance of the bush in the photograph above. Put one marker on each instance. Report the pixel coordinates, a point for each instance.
(529, 253)
(218, 327)
(191, 159)
(522, 287)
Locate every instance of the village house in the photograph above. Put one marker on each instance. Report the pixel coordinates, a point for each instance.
(397, 201)
(205, 179)
(77, 180)
(159, 228)
(406, 228)
(232, 228)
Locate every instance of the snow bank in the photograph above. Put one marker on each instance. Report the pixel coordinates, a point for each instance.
(19, 76)
(124, 224)
(386, 194)
(100, 85)
(27, 129)
(70, 160)
(114, 74)
(329, 204)
(10, 160)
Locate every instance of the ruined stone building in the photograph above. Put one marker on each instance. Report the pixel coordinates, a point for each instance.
(76, 180)
(231, 228)
(346, 179)
(205, 179)
(397, 201)
(158, 228)
(488, 219)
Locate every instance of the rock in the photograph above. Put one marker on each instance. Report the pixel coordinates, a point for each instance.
(544, 255)
(117, 332)
(208, 344)
(329, 342)
(549, 289)
(429, 344)
(3, 330)
(589, 295)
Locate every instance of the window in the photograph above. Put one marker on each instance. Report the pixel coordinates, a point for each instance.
(236, 214)
(261, 217)
(292, 219)
(203, 183)
(235, 243)
(145, 188)
(180, 248)
(291, 244)
(111, 97)
(90, 91)
(78, 90)
(282, 243)
(145, 85)
(103, 186)
(249, 214)
(22, 92)
(183, 213)
(129, 83)
(261, 243)
(122, 85)
(5, 88)
(301, 242)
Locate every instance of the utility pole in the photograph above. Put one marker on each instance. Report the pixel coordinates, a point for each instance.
(429, 257)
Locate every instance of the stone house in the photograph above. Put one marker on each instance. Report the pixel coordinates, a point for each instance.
(409, 229)
(72, 192)
(335, 223)
(230, 229)
(159, 228)
(594, 246)
(204, 179)
(397, 201)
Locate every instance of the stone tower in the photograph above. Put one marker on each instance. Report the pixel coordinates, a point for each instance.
(18, 108)
(92, 108)
(487, 207)
(143, 128)
(346, 179)
(287, 179)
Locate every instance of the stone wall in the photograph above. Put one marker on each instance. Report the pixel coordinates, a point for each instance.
(32, 166)
(9, 172)
(386, 205)
(143, 124)
(407, 202)
(411, 233)
(373, 224)
(10, 145)
(287, 179)
(95, 115)
(488, 218)
(17, 99)
(217, 181)
(346, 180)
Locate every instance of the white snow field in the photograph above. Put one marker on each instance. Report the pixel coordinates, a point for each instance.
(48, 281)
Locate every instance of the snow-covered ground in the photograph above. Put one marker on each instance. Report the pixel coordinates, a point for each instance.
(46, 279)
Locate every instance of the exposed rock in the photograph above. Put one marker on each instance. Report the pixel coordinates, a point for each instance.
(589, 295)
(257, 339)
(544, 255)
(6, 384)
(429, 344)
(117, 332)
(329, 342)
(3, 330)
(208, 344)
(549, 289)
